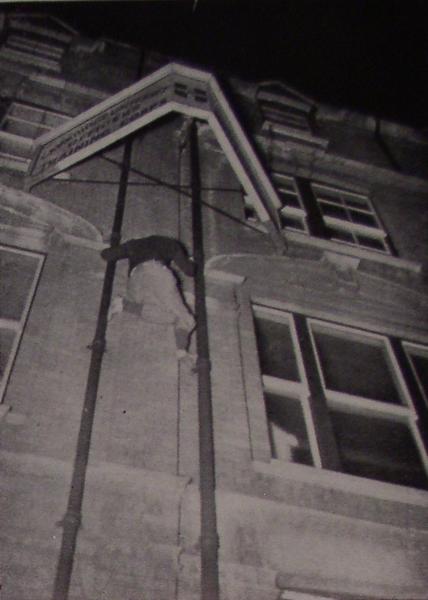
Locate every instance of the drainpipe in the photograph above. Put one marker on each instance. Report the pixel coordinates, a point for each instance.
(73, 516)
(209, 537)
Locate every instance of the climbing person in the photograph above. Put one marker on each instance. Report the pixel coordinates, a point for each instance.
(152, 283)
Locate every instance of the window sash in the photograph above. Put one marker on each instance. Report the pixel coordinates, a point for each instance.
(350, 205)
(295, 389)
(368, 338)
(292, 216)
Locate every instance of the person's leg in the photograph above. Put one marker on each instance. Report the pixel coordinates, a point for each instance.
(183, 319)
(154, 284)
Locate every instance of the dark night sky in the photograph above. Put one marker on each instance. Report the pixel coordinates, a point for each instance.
(370, 55)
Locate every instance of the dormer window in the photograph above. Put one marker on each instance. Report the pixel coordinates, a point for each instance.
(279, 114)
(283, 110)
(288, 115)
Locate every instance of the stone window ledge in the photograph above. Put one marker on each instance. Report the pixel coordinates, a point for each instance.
(342, 482)
(354, 251)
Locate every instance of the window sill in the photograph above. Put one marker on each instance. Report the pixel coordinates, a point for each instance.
(354, 251)
(343, 482)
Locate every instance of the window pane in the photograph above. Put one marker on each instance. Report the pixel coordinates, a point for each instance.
(371, 242)
(329, 196)
(340, 235)
(287, 429)
(277, 357)
(17, 276)
(249, 212)
(354, 366)
(6, 342)
(289, 199)
(359, 203)
(292, 222)
(378, 449)
(332, 210)
(363, 218)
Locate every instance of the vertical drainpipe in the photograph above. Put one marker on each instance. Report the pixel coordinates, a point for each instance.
(73, 516)
(209, 536)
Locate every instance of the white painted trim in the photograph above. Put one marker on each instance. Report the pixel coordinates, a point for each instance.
(9, 323)
(362, 403)
(19, 327)
(291, 595)
(17, 139)
(419, 350)
(296, 389)
(224, 276)
(283, 387)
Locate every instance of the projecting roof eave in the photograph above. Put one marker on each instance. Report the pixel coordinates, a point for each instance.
(173, 88)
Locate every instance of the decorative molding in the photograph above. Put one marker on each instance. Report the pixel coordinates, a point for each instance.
(46, 216)
(315, 288)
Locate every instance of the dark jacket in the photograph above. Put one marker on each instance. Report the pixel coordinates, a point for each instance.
(153, 247)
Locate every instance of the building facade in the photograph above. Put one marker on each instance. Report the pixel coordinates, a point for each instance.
(290, 460)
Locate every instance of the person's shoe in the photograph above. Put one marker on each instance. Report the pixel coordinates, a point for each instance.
(184, 354)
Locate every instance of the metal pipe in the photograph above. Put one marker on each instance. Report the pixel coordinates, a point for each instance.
(209, 536)
(73, 516)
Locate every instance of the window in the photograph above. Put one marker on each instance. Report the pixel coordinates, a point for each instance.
(283, 111)
(285, 386)
(350, 218)
(330, 213)
(28, 121)
(292, 213)
(279, 115)
(336, 398)
(20, 271)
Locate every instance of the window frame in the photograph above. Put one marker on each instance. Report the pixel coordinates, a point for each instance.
(297, 390)
(347, 225)
(313, 226)
(421, 350)
(294, 212)
(404, 413)
(15, 325)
